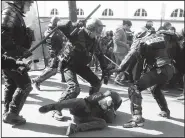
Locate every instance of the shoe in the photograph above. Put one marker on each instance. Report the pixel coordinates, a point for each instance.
(165, 114)
(72, 129)
(135, 122)
(47, 108)
(57, 115)
(14, 119)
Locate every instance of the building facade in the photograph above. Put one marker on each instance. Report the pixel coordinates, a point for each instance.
(113, 12)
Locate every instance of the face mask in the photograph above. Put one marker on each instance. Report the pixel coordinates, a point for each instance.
(105, 103)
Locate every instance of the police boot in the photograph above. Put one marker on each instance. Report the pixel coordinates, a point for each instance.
(136, 109)
(72, 129)
(161, 101)
(13, 118)
(16, 105)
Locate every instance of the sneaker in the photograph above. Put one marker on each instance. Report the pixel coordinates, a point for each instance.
(165, 114)
(72, 129)
(14, 119)
(137, 122)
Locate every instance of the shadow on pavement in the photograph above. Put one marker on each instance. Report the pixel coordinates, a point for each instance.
(151, 128)
(43, 128)
(42, 101)
(166, 127)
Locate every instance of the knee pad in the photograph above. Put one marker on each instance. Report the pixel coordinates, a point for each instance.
(134, 93)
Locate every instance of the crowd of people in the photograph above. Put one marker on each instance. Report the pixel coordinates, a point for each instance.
(146, 60)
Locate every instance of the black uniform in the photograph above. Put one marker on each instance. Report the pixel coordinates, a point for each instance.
(87, 113)
(77, 54)
(155, 50)
(15, 40)
(55, 44)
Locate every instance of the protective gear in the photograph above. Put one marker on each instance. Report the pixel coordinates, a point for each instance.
(19, 98)
(53, 22)
(13, 35)
(136, 100)
(21, 3)
(13, 119)
(116, 98)
(94, 23)
(159, 97)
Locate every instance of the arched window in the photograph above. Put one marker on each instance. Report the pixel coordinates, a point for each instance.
(140, 12)
(107, 12)
(177, 13)
(54, 12)
(80, 12)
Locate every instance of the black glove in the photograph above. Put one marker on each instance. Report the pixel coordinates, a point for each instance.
(23, 67)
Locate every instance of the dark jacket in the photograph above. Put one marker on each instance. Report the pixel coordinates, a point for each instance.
(8, 62)
(14, 36)
(83, 45)
(152, 48)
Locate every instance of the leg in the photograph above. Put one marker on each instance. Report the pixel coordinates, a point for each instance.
(86, 73)
(44, 76)
(9, 90)
(52, 70)
(24, 87)
(69, 104)
(147, 80)
(159, 97)
(73, 88)
(72, 91)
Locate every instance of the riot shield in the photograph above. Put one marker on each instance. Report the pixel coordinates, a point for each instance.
(41, 55)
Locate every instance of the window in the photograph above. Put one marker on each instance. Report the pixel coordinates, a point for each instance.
(177, 13)
(107, 12)
(54, 12)
(140, 12)
(80, 12)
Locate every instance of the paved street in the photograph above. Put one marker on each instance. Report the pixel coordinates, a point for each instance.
(43, 125)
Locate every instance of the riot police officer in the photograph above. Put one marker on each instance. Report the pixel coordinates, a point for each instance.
(55, 44)
(155, 50)
(78, 54)
(16, 40)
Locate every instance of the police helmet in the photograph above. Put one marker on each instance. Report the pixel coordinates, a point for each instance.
(93, 23)
(53, 22)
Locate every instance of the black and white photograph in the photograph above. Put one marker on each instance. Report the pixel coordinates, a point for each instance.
(92, 68)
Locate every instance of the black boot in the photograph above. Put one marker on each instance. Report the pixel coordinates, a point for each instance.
(135, 107)
(161, 101)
